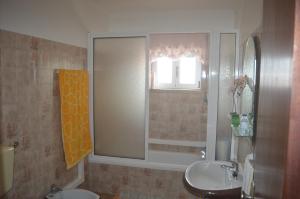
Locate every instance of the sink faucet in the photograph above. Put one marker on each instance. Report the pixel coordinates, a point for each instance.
(234, 168)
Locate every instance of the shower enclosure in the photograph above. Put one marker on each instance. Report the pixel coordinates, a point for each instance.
(161, 100)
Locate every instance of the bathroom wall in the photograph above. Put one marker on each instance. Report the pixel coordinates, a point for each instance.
(178, 115)
(30, 111)
(146, 183)
(250, 19)
(55, 20)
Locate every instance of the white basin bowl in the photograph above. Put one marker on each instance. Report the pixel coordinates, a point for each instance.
(210, 176)
(74, 194)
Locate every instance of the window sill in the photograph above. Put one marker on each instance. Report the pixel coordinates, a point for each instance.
(176, 90)
(136, 163)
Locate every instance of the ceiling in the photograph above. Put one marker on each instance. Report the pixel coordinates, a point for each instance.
(96, 13)
(74, 18)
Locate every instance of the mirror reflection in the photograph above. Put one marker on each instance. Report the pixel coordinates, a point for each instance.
(249, 70)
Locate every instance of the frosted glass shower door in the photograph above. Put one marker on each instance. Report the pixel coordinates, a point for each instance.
(119, 96)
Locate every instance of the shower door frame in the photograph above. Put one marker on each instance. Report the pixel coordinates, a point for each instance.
(213, 78)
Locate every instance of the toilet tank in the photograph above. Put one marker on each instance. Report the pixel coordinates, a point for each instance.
(6, 168)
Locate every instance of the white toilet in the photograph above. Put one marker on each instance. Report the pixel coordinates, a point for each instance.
(73, 194)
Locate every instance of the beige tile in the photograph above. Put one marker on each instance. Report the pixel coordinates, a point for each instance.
(176, 115)
(8, 75)
(146, 182)
(23, 42)
(8, 57)
(7, 39)
(45, 76)
(30, 112)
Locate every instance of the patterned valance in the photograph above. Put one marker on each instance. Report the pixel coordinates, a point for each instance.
(178, 45)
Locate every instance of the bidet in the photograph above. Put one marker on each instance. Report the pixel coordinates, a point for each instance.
(58, 193)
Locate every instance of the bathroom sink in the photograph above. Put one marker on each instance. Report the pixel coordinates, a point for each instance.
(210, 177)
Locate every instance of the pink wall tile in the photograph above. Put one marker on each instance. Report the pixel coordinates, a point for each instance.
(30, 111)
(146, 182)
(178, 115)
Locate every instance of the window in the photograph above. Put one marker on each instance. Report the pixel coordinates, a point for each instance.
(164, 70)
(187, 70)
(182, 73)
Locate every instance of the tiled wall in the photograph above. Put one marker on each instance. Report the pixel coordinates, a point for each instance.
(178, 115)
(30, 110)
(30, 115)
(146, 183)
(175, 115)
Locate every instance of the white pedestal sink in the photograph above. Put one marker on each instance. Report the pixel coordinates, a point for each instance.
(209, 178)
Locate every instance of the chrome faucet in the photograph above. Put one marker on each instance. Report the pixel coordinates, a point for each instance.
(234, 168)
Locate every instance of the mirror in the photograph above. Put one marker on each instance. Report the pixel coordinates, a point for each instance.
(242, 120)
(249, 70)
(246, 101)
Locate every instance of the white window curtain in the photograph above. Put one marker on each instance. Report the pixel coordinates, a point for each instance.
(176, 45)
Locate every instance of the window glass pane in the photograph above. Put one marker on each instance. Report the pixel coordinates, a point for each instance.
(187, 70)
(164, 70)
(119, 97)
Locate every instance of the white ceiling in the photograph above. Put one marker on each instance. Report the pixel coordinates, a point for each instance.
(99, 13)
(69, 21)
(120, 5)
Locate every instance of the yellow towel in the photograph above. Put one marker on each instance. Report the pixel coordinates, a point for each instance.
(73, 86)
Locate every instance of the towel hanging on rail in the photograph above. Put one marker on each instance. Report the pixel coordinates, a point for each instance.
(73, 85)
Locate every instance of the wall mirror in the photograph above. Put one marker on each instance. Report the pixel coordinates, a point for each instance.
(242, 116)
(249, 77)
(249, 70)
(245, 101)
